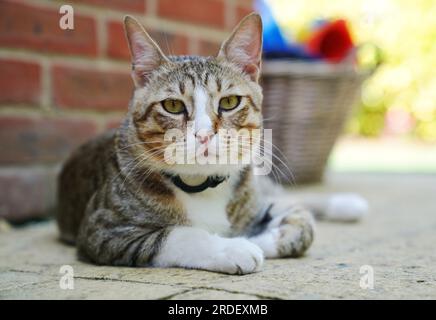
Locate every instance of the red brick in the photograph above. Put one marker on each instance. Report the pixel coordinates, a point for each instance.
(204, 12)
(81, 88)
(124, 5)
(113, 123)
(26, 140)
(170, 43)
(36, 28)
(246, 3)
(208, 48)
(20, 82)
(26, 193)
(242, 11)
(117, 44)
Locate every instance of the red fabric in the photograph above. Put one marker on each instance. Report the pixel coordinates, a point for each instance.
(332, 41)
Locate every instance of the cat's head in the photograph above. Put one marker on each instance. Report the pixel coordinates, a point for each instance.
(199, 98)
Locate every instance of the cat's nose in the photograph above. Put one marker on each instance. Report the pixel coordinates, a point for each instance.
(203, 137)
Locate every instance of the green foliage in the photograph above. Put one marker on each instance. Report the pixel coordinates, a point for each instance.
(400, 98)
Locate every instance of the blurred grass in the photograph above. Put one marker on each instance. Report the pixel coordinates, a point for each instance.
(396, 155)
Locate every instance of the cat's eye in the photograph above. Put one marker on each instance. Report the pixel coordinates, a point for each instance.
(229, 103)
(173, 106)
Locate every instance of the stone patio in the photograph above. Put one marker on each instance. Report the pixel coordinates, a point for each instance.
(398, 240)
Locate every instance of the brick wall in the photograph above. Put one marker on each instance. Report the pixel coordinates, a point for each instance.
(59, 87)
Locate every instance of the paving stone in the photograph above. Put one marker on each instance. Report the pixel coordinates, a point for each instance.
(397, 240)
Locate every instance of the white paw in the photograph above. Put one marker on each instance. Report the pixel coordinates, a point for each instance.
(347, 207)
(195, 248)
(237, 256)
(267, 241)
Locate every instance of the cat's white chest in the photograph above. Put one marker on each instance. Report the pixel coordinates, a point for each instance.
(207, 209)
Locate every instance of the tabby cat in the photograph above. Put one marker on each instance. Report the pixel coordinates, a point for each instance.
(122, 203)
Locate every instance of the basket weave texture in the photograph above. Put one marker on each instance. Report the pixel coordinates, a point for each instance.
(306, 105)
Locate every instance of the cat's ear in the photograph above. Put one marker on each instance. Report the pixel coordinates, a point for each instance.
(244, 46)
(146, 54)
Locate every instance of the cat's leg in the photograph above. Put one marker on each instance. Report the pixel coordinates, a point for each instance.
(105, 238)
(338, 206)
(284, 232)
(289, 230)
(190, 247)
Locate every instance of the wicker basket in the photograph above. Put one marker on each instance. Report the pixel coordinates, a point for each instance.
(306, 105)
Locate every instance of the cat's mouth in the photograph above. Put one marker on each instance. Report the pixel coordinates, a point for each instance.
(204, 150)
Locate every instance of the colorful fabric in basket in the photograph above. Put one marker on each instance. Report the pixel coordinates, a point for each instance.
(328, 40)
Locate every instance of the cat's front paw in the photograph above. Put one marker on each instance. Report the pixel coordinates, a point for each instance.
(295, 234)
(288, 235)
(197, 249)
(238, 256)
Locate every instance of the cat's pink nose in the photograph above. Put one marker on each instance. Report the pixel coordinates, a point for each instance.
(203, 136)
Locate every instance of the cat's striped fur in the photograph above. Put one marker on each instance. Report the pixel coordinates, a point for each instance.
(119, 209)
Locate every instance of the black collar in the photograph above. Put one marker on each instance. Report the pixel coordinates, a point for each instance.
(211, 182)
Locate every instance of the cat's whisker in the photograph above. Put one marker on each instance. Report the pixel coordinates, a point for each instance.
(127, 165)
(167, 43)
(134, 159)
(131, 161)
(145, 175)
(146, 157)
(270, 118)
(289, 177)
(118, 149)
(285, 162)
(273, 165)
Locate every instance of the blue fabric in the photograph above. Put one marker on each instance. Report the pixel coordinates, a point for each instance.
(275, 45)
